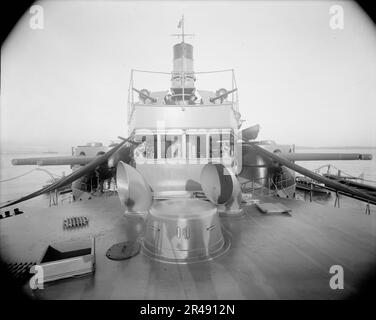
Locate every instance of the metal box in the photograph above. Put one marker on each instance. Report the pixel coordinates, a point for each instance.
(68, 259)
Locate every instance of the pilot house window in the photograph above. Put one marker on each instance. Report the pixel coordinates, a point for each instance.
(196, 146)
(148, 147)
(171, 146)
(221, 145)
(227, 145)
(215, 145)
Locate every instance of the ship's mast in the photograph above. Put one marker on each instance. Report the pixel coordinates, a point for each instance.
(182, 27)
(182, 34)
(183, 60)
(184, 68)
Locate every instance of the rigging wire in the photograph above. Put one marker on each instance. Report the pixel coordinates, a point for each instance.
(28, 172)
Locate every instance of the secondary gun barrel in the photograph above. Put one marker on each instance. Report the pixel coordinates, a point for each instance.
(223, 95)
(145, 95)
(325, 156)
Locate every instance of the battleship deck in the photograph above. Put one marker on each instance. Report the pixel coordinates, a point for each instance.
(271, 256)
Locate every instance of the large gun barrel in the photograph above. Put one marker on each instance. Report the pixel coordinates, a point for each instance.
(53, 161)
(315, 176)
(325, 156)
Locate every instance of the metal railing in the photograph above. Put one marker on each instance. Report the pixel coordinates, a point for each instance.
(257, 186)
(267, 186)
(233, 98)
(57, 196)
(282, 182)
(343, 174)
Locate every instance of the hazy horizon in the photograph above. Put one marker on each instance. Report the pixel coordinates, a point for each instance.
(303, 82)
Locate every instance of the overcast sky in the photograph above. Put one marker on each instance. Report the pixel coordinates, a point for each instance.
(302, 81)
